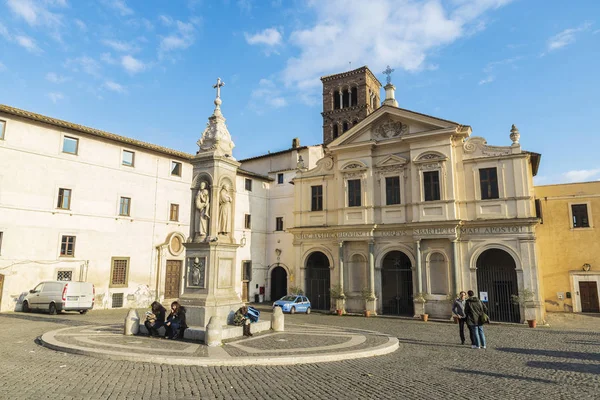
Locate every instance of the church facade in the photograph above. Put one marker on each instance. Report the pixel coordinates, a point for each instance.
(397, 212)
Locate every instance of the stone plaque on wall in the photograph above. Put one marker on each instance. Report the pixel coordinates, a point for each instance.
(225, 273)
(196, 272)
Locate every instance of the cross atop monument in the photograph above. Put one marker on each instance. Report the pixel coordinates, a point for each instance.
(218, 86)
(388, 71)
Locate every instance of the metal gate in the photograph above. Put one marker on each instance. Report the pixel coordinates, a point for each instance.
(397, 284)
(318, 281)
(497, 275)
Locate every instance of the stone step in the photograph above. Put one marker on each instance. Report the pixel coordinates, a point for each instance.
(228, 331)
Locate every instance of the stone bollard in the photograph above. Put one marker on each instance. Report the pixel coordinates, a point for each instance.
(213, 334)
(277, 323)
(132, 323)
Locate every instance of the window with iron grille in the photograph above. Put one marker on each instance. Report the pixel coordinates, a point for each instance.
(174, 212)
(279, 223)
(64, 275)
(248, 221)
(488, 180)
(67, 246)
(580, 216)
(175, 168)
(64, 199)
(117, 300)
(247, 270)
(280, 179)
(119, 272)
(392, 190)
(125, 206)
(431, 185)
(354, 193)
(316, 198)
(248, 184)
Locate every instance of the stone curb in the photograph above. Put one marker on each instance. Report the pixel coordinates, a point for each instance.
(49, 340)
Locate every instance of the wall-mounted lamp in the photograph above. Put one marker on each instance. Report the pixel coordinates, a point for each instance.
(587, 267)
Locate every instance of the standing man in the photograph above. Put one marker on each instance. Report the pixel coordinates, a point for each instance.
(476, 315)
(458, 309)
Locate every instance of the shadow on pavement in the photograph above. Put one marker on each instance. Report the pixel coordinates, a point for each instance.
(576, 355)
(563, 366)
(497, 375)
(590, 342)
(426, 343)
(49, 318)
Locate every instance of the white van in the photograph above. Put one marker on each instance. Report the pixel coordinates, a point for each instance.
(56, 296)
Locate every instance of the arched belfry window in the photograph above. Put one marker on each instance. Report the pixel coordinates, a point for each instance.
(344, 126)
(346, 98)
(355, 122)
(354, 96)
(335, 131)
(336, 100)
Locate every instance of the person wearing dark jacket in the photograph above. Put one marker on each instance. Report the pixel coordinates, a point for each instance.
(175, 324)
(475, 310)
(458, 309)
(155, 318)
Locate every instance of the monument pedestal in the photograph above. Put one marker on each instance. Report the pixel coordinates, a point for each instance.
(209, 283)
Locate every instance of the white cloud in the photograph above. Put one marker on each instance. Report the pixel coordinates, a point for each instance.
(114, 86)
(268, 37)
(492, 67)
(487, 80)
(2, 67)
(266, 97)
(4, 32)
(108, 58)
(581, 175)
(132, 65)
(36, 13)
(566, 37)
(55, 78)
(378, 33)
(121, 46)
(55, 96)
(28, 44)
(166, 20)
(182, 38)
(120, 6)
(81, 25)
(85, 64)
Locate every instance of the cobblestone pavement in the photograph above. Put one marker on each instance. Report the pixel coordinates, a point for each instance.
(550, 363)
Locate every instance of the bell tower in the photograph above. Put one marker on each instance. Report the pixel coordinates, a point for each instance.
(348, 98)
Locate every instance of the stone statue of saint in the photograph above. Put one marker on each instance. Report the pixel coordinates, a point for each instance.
(224, 210)
(203, 206)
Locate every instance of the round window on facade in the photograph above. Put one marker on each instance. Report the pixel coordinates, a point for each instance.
(175, 245)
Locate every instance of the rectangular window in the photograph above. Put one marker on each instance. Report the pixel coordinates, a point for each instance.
(431, 185)
(125, 206)
(2, 127)
(64, 276)
(580, 216)
(247, 221)
(488, 180)
(174, 212)
(1, 235)
(175, 168)
(280, 179)
(117, 300)
(70, 145)
(316, 198)
(64, 199)
(392, 190)
(279, 223)
(248, 184)
(67, 246)
(538, 210)
(247, 270)
(354, 193)
(119, 271)
(128, 158)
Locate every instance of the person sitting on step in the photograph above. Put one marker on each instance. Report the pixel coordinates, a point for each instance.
(241, 319)
(175, 324)
(155, 318)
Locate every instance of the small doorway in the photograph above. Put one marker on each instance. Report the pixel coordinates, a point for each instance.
(497, 276)
(318, 280)
(588, 293)
(278, 283)
(172, 279)
(397, 284)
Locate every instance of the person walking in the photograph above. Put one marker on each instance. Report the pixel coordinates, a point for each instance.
(476, 313)
(458, 309)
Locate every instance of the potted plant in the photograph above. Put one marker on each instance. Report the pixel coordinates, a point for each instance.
(367, 296)
(451, 298)
(421, 299)
(524, 299)
(337, 294)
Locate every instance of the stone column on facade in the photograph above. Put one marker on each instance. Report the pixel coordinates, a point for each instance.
(419, 268)
(371, 304)
(455, 268)
(341, 98)
(341, 301)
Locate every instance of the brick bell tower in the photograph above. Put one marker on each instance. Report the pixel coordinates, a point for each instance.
(348, 98)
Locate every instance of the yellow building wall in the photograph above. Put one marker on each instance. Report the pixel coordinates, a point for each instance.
(561, 247)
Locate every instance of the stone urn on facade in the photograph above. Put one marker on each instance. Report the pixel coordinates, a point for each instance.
(420, 299)
(337, 293)
(525, 301)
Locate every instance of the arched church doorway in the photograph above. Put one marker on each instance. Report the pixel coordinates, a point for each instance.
(318, 281)
(278, 283)
(397, 284)
(497, 275)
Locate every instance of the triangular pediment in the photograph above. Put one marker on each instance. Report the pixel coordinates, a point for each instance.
(391, 123)
(391, 161)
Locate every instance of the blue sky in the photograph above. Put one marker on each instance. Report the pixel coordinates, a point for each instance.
(145, 69)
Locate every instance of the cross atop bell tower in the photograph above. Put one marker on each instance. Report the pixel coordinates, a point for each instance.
(348, 98)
